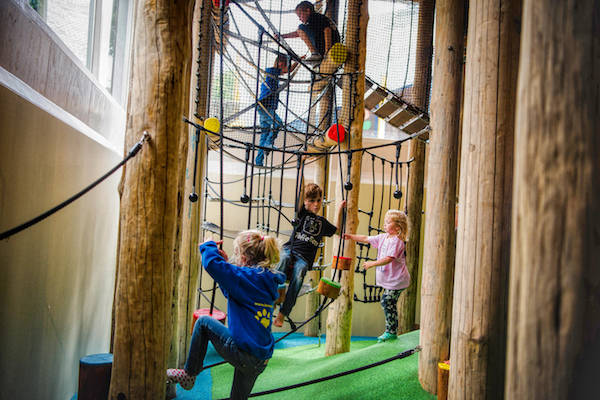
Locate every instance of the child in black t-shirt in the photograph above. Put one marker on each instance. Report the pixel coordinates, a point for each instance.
(299, 252)
(318, 31)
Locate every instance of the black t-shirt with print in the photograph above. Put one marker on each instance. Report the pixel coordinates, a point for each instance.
(315, 26)
(307, 235)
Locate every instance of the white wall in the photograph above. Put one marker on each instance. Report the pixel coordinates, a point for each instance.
(59, 131)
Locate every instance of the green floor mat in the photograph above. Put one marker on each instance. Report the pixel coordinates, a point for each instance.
(394, 380)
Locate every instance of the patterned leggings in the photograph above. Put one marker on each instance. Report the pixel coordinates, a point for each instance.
(389, 303)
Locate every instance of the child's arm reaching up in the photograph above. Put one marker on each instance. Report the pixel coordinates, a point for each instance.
(356, 238)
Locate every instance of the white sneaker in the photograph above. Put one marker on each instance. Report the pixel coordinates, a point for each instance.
(180, 376)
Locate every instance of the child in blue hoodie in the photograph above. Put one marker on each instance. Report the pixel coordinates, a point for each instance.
(251, 290)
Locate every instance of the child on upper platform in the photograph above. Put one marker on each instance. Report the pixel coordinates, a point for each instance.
(391, 274)
(317, 31)
(250, 286)
(300, 251)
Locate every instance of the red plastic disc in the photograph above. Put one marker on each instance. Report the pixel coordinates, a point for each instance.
(217, 314)
(336, 130)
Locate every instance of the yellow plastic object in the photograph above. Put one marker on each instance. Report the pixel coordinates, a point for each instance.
(212, 124)
(444, 366)
(338, 53)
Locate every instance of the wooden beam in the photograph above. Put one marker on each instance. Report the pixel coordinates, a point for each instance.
(554, 305)
(442, 165)
(151, 203)
(321, 178)
(339, 317)
(186, 275)
(407, 303)
(478, 335)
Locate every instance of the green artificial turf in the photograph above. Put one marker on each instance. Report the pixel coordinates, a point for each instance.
(394, 380)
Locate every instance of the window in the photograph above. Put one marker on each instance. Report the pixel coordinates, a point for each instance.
(97, 32)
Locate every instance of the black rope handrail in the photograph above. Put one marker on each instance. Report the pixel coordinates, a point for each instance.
(132, 152)
(398, 356)
(313, 153)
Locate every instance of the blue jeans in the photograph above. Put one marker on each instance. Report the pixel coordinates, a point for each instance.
(247, 367)
(269, 128)
(295, 268)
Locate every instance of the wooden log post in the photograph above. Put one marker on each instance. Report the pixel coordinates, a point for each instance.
(440, 236)
(407, 303)
(554, 304)
(321, 178)
(185, 294)
(478, 338)
(151, 203)
(339, 317)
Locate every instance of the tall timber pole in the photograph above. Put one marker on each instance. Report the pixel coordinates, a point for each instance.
(339, 318)
(150, 214)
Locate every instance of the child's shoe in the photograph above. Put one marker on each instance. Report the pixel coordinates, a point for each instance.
(180, 376)
(385, 337)
(278, 321)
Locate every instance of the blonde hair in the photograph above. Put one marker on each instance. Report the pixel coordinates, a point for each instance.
(400, 220)
(256, 248)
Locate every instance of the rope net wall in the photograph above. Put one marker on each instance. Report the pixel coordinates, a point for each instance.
(249, 39)
(248, 59)
(391, 48)
(392, 44)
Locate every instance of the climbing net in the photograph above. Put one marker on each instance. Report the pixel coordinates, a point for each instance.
(246, 45)
(309, 97)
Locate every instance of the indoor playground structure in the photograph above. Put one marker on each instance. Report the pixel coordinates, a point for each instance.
(478, 120)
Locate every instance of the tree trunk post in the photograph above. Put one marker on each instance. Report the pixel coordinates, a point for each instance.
(554, 304)
(185, 296)
(478, 333)
(408, 300)
(440, 236)
(322, 179)
(339, 317)
(151, 204)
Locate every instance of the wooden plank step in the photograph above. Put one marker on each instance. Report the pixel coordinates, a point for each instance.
(390, 105)
(393, 109)
(374, 96)
(414, 125)
(401, 116)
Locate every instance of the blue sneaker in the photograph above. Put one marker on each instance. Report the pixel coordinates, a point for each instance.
(385, 337)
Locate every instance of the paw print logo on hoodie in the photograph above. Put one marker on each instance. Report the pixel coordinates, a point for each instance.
(264, 317)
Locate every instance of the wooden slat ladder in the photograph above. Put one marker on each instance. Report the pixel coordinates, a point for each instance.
(394, 110)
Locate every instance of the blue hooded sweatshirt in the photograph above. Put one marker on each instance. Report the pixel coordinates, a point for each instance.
(251, 292)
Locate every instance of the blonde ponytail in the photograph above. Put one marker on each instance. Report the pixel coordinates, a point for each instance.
(271, 250)
(253, 247)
